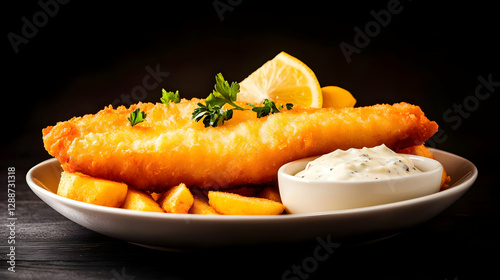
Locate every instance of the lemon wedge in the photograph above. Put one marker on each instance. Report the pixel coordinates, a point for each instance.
(283, 79)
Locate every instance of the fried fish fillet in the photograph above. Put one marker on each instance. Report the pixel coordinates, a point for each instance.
(169, 148)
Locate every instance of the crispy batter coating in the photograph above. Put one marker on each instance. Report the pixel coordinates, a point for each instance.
(169, 148)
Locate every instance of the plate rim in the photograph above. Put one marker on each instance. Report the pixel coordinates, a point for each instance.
(461, 187)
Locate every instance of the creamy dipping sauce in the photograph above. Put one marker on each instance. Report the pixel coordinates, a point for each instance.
(359, 164)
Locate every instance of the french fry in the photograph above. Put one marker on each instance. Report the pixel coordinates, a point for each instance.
(271, 193)
(141, 201)
(234, 204)
(177, 199)
(92, 190)
(200, 206)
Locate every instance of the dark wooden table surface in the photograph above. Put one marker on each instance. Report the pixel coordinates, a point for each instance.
(460, 243)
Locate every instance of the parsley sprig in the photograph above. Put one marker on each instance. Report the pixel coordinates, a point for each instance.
(136, 117)
(213, 113)
(169, 96)
(268, 108)
(218, 107)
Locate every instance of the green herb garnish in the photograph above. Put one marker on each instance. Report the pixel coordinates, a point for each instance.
(268, 108)
(169, 96)
(212, 115)
(213, 112)
(136, 117)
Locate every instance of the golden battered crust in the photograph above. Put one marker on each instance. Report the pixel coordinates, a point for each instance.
(169, 148)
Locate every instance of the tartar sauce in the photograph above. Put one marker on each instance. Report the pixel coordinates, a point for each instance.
(379, 162)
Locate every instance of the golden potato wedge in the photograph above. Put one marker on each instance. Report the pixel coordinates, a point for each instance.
(200, 206)
(271, 193)
(177, 199)
(234, 204)
(92, 190)
(140, 201)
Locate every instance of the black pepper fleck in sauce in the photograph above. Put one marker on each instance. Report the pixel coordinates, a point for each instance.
(359, 164)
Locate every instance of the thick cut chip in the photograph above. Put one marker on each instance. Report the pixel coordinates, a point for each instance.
(141, 201)
(177, 199)
(235, 204)
(92, 190)
(201, 207)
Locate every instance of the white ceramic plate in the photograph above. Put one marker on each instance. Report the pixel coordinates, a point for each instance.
(182, 231)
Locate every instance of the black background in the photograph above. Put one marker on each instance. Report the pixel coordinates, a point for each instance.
(90, 53)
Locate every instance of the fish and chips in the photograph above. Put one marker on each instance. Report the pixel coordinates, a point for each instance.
(214, 147)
